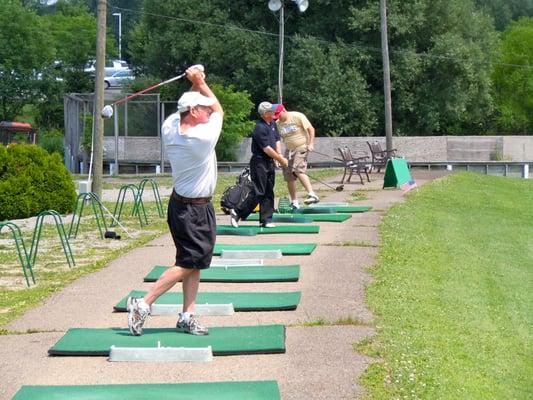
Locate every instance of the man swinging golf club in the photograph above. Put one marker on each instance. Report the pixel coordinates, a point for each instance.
(189, 136)
(298, 136)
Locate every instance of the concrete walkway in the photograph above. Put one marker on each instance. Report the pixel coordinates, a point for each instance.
(319, 363)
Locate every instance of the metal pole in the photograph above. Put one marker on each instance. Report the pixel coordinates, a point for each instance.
(386, 74)
(115, 127)
(98, 143)
(119, 15)
(281, 52)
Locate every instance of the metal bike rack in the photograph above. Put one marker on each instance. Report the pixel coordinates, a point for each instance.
(137, 204)
(78, 212)
(21, 249)
(155, 189)
(62, 236)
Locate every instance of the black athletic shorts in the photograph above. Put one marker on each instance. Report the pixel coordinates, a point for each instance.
(194, 230)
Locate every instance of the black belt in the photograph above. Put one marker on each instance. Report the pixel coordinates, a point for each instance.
(189, 200)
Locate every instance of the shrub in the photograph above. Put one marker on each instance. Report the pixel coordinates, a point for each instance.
(52, 141)
(31, 181)
(237, 125)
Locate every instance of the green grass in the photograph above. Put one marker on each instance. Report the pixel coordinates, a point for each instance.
(453, 293)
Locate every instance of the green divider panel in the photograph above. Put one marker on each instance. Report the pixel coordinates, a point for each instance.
(340, 209)
(227, 229)
(228, 340)
(287, 249)
(281, 273)
(313, 210)
(240, 231)
(309, 217)
(295, 219)
(249, 390)
(242, 301)
(397, 173)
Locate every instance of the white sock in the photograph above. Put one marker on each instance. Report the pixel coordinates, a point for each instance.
(295, 202)
(186, 316)
(312, 194)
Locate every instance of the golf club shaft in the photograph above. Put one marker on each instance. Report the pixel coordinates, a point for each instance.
(321, 154)
(131, 96)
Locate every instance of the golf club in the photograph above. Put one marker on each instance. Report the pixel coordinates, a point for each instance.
(321, 154)
(339, 188)
(107, 111)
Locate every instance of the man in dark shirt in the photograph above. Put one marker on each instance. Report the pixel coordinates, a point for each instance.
(266, 154)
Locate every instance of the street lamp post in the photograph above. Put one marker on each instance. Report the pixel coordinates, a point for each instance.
(119, 15)
(278, 5)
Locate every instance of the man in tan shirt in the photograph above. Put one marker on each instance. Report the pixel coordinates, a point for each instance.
(298, 136)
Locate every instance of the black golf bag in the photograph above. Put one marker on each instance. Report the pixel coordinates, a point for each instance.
(236, 194)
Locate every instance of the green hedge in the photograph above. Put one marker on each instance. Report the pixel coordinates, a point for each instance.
(31, 181)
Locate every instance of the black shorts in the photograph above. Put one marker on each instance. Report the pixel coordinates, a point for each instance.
(194, 230)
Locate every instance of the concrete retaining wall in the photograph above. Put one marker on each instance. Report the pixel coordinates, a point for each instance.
(419, 148)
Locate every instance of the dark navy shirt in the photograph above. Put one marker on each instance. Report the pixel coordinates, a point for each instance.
(264, 135)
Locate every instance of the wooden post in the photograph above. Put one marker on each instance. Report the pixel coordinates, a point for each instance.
(386, 74)
(98, 140)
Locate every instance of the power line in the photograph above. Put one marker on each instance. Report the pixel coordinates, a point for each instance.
(309, 37)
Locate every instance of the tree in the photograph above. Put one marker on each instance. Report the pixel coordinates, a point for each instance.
(26, 48)
(440, 64)
(505, 11)
(513, 79)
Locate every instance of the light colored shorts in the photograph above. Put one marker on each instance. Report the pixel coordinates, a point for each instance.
(297, 163)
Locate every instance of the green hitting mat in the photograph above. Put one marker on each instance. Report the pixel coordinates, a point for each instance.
(318, 209)
(333, 217)
(279, 273)
(224, 341)
(250, 390)
(287, 249)
(251, 230)
(242, 301)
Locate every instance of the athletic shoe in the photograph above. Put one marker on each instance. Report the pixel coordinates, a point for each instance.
(294, 206)
(191, 326)
(311, 199)
(268, 225)
(234, 218)
(136, 316)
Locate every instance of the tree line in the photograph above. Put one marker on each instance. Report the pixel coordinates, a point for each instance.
(458, 67)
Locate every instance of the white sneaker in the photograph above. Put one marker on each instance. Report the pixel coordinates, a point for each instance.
(136, 315)
(311, 199)
(268, 225)
(295, 206)
(234, 218)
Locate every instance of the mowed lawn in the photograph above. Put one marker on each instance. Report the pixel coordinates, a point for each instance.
(453, 293)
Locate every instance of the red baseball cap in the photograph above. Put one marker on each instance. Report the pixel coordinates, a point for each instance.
(278, 110)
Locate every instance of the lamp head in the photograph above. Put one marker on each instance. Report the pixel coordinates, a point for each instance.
(274, 5)
(302, 4)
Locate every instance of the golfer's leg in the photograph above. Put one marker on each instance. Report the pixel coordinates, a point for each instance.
(190, 289)
(291, 185)
(165, 282)
(306, 183)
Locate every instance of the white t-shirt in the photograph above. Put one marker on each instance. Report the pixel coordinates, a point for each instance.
(192, 155)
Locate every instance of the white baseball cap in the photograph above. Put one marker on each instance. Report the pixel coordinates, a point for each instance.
(189, 100)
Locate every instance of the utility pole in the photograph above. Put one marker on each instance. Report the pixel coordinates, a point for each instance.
(98, 121)
(386, 73)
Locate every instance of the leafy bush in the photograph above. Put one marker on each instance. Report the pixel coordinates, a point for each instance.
(237, 125)
(31, 181)
(52, 141)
